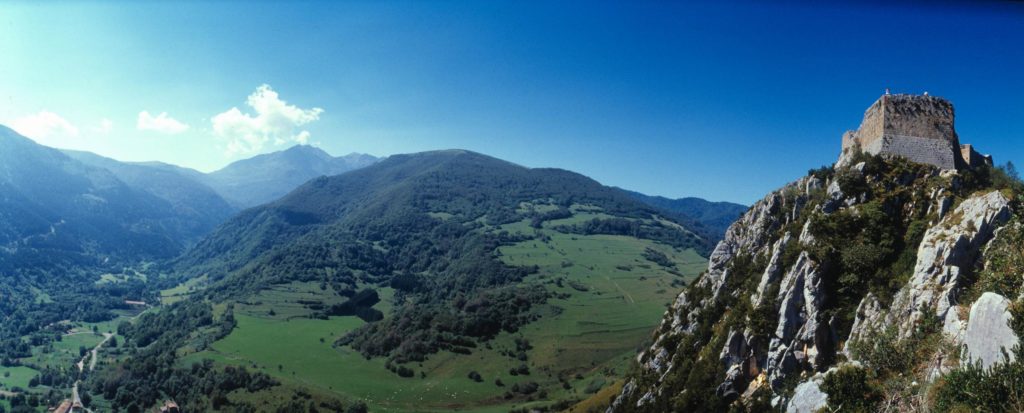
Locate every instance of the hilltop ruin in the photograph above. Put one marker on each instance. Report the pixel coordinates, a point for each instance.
(916, 127)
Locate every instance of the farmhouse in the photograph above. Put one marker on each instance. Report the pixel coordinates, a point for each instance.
(916, 127)
(170, 407)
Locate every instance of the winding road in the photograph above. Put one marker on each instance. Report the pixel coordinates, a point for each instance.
(93, 355)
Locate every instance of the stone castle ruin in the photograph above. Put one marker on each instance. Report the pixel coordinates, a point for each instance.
(916, 127)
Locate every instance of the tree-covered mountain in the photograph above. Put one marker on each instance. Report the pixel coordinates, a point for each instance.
(264, 178)
(62, 224)
(715, 216)
(380, 205)
(445, 256)
(202, 207)
(56, 203)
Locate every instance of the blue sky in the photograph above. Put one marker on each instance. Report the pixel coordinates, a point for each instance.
(721, 101)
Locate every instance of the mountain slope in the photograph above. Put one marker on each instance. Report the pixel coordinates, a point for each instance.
(68, 205)
(402, 190)
(715, 216)
(63, 222)
(850, 288)
(200, 205)
(418, 267)
(266, 177)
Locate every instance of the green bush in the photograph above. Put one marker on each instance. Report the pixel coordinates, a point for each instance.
(997, 389)
(851, 389)
(1005, 265)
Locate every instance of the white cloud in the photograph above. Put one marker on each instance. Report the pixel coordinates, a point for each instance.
(161, 123)
(275, 120)
(47, 128)
(104, 127)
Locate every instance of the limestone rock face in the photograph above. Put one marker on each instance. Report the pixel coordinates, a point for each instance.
(808, 398)
(868, 320)
(785, 323)
(749, 234)
(801, 333)
(773, 271)
(947, 250)
(627, 391)
(988, 333)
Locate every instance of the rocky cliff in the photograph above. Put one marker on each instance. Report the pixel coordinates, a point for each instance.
(868, 287)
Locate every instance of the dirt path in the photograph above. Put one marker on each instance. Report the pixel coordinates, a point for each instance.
(628, 297)
(93, 354)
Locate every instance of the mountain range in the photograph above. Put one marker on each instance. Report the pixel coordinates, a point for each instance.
(715, 216)
(264, 178)
(438, 259)
(425, 259)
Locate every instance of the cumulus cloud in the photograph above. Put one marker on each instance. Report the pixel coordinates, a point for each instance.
(275, 121)
(44, 126)
(47, 128)
(161, 123)
(104, 127)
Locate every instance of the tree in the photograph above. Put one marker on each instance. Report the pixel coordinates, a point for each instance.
(1011, 170)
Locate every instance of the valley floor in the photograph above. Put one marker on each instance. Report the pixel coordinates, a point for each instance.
(609, 298)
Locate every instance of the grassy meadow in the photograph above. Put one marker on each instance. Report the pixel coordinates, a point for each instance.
(607, 298)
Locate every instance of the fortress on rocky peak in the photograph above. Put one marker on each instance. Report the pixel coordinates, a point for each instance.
(916, 127)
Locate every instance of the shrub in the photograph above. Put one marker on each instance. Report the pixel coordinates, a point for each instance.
(850, 389)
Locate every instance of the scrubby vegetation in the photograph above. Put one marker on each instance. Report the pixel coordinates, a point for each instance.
(870, 248)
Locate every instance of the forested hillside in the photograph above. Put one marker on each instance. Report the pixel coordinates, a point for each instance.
(715, 216)
(429, 259)
(68, 231)
(199, 204)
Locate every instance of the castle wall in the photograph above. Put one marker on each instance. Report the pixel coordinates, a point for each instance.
(916, 127)
(936, 152)
(920, 116)
(972, 158)
(919, 128)
(871, 128)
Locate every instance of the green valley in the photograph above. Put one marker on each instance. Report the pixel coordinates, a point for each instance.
(609, 298)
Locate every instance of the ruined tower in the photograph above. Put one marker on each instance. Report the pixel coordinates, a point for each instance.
(916, 127)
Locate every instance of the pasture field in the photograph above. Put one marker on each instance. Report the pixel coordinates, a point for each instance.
(607, 298)
(182, 291)
(65, 353)
(11, 377)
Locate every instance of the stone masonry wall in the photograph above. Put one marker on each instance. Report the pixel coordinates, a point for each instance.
(921, 116)
(919, 128)
(870, 128)
(936, 152)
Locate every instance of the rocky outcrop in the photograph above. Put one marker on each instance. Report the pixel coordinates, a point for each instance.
(947, 252)
(752, 232)
(868, 320)
(773, 271)
(800, 334)
(989, 339)
(751, 235)
(807, 398)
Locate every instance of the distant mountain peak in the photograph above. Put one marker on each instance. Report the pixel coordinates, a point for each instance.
(264, 178)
